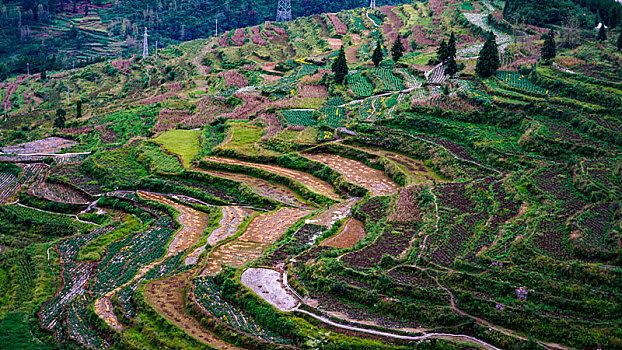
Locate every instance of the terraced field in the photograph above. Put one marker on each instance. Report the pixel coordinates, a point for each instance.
(358, 173)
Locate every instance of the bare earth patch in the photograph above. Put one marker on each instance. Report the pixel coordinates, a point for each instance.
(268, 284)
(167, 298)
(358, 173)
(352, 233)
(313, 183)
(263, 230)
(333, 214)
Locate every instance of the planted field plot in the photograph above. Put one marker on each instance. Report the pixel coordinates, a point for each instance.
(437, 75)
(232, 218)
(268, 284)
(159, 160)
(78, 329)
(313, 183)
(167, 298)
(262, 231)
(334, 117)
(360, 86)
(207, 294)
(169, 119)
(10, 184)
(389, 81)
(300, 117)
(358, 173)
(340, 28)
(185, 143)
(394, 241)
(263, 188)
(37, 216)
(59, 193)
(303, 238)
(597, 226)
(46, 146)
(73, 174)
(520, 81)
(352, 233)
(193, 223)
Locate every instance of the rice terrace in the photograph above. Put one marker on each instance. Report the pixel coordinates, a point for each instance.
(287, 174)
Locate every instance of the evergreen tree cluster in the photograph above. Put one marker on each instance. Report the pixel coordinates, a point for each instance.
(446, 54)
(588, 12)
(549, 50)
(340, 67)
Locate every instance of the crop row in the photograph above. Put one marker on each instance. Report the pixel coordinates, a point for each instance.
(360, 86)
(78, 328)
(10, 185)
(334, 116)
(299, 117)
(389, 80)
(519, 81)
(393, 242)
(208, 295)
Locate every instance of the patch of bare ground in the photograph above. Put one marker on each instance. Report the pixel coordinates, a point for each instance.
(334, 213)
(335, 44)
(313, 183)
(193, 223)
(263, 188)
(376, 181)
(263, 230)
(352, 233)
(167, 298)
(268, 284)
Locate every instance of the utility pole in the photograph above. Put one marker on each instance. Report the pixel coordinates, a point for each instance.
(68, 95)
(156, 50)
(216, 26)
(284, 11)
(28, 68)
(145, 45)
(372, 4)
(4, 107)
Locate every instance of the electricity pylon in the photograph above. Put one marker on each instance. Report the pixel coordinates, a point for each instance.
(284, 12)
(372, 4)
(145, 45)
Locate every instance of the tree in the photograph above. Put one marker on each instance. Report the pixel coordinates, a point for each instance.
(451, 67)
(378, 55)
(79, 109)
(43, 73)
(488, 61)
(441, 52)
(451, 46)
(602, 33)
(340, 66)
(619, 44)
(397, 51)
(549, 50)
(4, 71)
(59, 122)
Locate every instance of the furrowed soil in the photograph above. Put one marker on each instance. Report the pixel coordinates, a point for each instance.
(313, 183)
(352, 233)
(263, 230)
(167, 298)
(358, 173)
(264, 188)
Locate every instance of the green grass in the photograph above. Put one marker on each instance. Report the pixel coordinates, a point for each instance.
(95, 249)
(244, 138)
(185, 143)
(161, 161)
(17, 332)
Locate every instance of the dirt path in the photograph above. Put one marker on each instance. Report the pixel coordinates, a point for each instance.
(313, 183)
(167, 298)
(358, 173)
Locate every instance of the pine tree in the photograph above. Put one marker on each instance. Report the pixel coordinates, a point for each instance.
(79, 109)
(549, 51)
(451, 67)
(451, 46)
(488, 61)
(378, 55)
(43, 73)
(340, 67)
(619, 44)
(441, 52)
(397, 51)
(602, 33)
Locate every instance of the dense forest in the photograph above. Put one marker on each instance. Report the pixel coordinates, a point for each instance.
(589, 13)
(87, 30)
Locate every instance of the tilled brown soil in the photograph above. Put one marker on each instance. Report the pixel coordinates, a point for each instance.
(352, 233)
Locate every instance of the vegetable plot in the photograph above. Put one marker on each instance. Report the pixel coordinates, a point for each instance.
(360, 86)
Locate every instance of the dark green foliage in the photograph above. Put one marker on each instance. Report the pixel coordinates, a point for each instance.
(441, 52)
(11, 168)
(340, 67)
(79, 109)
(556, 12)
(602, 34)
(4, 71)
(619, 43)
(549, 50)
(378, 55)
(488, 61)
(451, 46)
(59, 122)
(397, 50)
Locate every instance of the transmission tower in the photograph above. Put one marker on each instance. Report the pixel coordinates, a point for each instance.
(372, 4)
(284, 12)
(145, 45)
